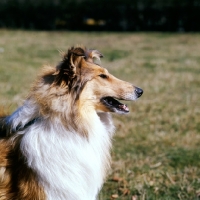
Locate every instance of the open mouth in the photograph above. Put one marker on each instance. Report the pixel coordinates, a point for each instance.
(114, 105)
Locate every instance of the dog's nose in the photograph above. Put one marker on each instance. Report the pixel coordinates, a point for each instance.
(138, 92)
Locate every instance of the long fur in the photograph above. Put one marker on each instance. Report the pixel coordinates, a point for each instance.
(56, 146)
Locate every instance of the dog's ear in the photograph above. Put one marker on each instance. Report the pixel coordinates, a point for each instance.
(91, 55)
(66, 70)
(70, 60)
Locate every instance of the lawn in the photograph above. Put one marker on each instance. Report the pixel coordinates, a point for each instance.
(156, 149)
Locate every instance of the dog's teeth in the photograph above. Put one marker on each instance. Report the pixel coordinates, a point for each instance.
(124, 107)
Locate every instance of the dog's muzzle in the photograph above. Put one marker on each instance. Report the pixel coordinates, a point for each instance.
(138, 92)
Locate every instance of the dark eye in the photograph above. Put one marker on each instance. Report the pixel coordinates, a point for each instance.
(103, 76)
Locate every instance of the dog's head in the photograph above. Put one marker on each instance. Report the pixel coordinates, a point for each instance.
(92, 85)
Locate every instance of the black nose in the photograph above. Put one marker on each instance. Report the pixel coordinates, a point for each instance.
(138, 92)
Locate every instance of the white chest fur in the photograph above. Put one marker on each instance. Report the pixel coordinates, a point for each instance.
(68, 165)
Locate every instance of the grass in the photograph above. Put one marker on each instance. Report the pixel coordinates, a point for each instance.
(156, 149)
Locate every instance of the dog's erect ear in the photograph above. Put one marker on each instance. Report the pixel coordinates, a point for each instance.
(66, 70)
(90, 55)
(72, 58)
(70, 61)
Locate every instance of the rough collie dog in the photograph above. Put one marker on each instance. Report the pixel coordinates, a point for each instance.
(56, 146)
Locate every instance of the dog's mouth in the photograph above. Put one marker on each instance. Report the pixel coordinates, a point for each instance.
(114, 105)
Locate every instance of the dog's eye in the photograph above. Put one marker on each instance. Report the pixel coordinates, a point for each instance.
(103, 76)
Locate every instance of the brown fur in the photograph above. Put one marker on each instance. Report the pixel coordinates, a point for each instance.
(17, 181)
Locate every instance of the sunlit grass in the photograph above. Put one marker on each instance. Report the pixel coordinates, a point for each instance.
(156, 149)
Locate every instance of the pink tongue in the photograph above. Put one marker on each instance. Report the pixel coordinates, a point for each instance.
(123, 107)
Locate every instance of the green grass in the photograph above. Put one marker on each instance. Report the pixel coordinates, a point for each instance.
(156, 149)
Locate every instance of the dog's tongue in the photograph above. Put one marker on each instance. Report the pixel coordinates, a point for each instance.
(124, 107)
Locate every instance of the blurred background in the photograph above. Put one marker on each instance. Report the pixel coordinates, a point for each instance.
(154, 44)
(112, 15)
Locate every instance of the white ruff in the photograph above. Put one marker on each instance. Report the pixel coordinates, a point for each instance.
(68, 165)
